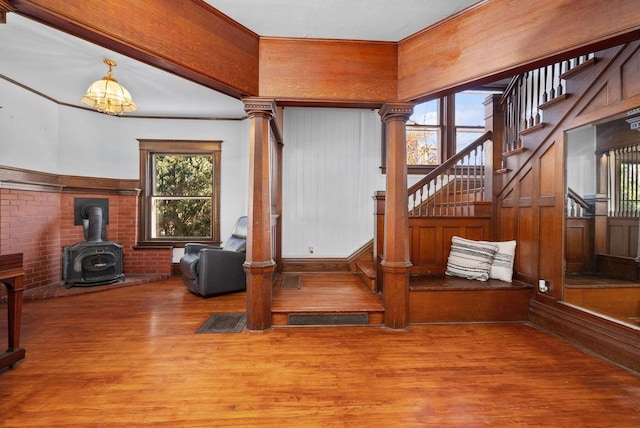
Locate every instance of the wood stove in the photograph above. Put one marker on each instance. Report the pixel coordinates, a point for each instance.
(93, 262)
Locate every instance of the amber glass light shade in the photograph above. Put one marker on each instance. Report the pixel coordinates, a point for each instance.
(108, 96)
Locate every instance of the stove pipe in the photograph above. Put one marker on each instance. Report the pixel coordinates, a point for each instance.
(94, 232)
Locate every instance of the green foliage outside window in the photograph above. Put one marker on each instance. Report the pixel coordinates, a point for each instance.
(182, 196)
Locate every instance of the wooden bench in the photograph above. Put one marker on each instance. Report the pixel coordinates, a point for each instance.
(445, 299)
(12, 277)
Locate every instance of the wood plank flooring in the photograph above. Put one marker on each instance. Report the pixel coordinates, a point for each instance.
(130, 357)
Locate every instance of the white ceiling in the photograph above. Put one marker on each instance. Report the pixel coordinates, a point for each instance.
(62, 67)
(381, 20)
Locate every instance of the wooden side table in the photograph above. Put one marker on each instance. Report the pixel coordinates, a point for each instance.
(12, 277)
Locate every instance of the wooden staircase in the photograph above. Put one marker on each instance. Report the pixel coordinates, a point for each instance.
(535, 103)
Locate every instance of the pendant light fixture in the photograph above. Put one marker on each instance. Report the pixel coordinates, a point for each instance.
(108, 96)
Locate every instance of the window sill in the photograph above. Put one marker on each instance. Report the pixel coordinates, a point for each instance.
(170, 244)
(151, 245)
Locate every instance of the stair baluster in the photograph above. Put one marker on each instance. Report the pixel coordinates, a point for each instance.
(448, 187)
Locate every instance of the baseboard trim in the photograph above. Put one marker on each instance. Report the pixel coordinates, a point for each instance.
(346, 264)
(601, 336)
(316, 265)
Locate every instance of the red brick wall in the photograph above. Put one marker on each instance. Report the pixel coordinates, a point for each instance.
(30, 224)
(40, 223)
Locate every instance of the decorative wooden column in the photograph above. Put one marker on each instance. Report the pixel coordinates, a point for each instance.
(396, 263)
(259, 265)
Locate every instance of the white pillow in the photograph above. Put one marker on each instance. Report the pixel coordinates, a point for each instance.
(470, 259)
(502, 264)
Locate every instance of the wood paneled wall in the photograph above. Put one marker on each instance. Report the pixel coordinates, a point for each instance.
(579, 245)
(318, 71)
(531, 203)
(532, 213)
(430, 240)
(622, 236)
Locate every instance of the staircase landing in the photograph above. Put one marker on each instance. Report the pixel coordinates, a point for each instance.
(324, 298)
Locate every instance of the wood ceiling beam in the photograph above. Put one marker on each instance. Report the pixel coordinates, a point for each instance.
(188, 38)
(501, 38)
(314, 71)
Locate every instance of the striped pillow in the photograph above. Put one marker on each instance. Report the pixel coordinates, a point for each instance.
(470, 259)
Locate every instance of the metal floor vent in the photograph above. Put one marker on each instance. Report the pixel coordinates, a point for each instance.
(224, 323)
(329, 319)
(290, 282)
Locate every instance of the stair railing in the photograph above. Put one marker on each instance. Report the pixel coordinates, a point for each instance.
(452, 187)
(528, 93)
(577, 206)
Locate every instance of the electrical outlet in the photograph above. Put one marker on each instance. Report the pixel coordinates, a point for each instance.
(543, 286)
(312, 250)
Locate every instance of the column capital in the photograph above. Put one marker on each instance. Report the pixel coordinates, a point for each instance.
(259, 106)
(396, 110)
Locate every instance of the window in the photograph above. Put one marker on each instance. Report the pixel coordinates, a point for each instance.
(181, 191)
(469, 117)
(624, 181)
(424, 133)
(439, 128)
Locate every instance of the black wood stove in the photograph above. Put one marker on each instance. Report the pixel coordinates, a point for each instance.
(93, 262)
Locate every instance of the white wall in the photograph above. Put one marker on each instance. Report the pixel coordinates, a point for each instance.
(331, 162)
(39, 135)
(581, 160)
(28, 130)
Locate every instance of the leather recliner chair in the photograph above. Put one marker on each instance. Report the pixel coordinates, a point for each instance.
(210, 270)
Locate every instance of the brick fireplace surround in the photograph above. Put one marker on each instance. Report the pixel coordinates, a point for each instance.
(37, 220)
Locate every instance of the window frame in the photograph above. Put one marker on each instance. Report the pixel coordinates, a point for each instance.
(448, 131)
(149, 148)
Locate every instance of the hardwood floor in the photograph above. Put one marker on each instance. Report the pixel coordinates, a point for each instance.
(129, 357)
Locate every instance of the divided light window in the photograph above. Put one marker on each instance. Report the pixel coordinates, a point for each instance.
(439, 128)
(469, 117)
(424, 134)
(181, 182)
(181, 200)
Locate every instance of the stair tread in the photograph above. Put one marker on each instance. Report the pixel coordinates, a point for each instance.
(366, 267)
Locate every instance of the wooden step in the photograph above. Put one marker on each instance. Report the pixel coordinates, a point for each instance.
(579, 68)
(325, 298)
(367, 271)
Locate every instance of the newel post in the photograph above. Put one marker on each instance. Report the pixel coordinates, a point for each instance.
(259, 265)
(396, 263)
(494, 122)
